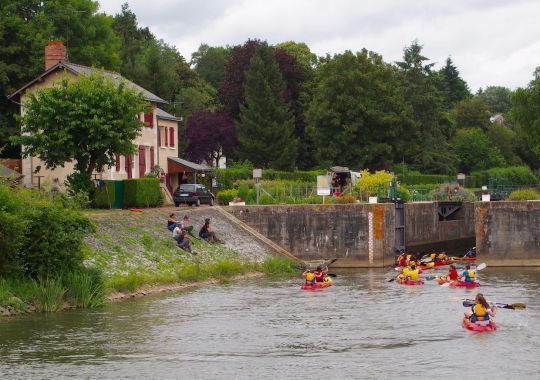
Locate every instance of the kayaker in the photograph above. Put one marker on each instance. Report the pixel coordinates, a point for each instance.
(471, 253)
(453, 274)
(481, 311)
(442, 256)
(413, 274)
(309, 276)
(320, 273)
(468, 274)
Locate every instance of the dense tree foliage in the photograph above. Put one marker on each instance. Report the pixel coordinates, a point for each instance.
(266, 125)
(358, 116)
(526, 110)
(211, 135)
(85, 121)
(353, 109)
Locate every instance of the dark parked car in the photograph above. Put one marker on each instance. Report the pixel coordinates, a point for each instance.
(193, 194)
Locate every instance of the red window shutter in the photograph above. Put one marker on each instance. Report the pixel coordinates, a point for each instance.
(142, 161)
(152, 158)
(171, 131)
(166, 136)
(117, 161)
(159, 136)
(149, 120)
(129, 166)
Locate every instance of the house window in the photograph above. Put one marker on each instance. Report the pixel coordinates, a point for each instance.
(166, 136)
(117, 161)
(159, 136)
(149, 120)
(171, 138)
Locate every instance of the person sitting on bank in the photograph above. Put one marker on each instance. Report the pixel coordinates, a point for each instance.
(309, 276)
(184, 225)
(481, 311)
(172, 221)
(184, 242)
(207, 233)
(468, 274)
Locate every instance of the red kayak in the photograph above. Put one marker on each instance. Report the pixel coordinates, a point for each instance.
(316, 286)
(478, 328)
(434, 264)
(409, 282)
(465, 284)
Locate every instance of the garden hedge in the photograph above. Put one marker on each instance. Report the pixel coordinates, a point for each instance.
(142, 192)
(104, 197)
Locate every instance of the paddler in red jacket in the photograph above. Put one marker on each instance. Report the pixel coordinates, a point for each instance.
(320, 273)
(453, 274)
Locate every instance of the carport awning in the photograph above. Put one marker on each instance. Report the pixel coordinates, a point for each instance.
(179, 165)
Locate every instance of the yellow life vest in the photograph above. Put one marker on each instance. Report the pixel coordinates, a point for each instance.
(310, 276)
(413, 274)
(480, 311)
(470, 272)
(432, 256)
(406, 271)
(442, 256)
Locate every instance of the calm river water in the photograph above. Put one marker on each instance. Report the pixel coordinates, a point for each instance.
(363, 327)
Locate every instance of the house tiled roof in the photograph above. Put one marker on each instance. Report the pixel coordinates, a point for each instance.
(81, 69)
(166, 116)
(189, 164)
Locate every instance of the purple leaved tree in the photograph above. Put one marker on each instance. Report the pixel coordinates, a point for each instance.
(210, 135)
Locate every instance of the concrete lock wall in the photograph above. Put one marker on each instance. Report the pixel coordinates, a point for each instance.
(425, 230)
(508, 233)
(359, 235)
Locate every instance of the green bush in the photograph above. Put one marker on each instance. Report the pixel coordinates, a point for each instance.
(142, 192)
(105, 197)
(347, 198)
(513, 175)
(39, 236)
(85, 287)
(416, 178)
(226, 196)
(49, 293)
(524, 195)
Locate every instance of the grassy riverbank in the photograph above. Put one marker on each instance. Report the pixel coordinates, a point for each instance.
(129, 251)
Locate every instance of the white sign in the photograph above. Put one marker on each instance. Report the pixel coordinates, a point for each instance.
(257, 173)
(461, 176)
(323, 184)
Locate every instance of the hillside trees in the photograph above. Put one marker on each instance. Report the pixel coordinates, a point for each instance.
(526, 110)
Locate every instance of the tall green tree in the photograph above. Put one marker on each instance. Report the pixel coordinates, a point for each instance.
(358, 116)
(427, 142)
(526, 110)
(266, 126)
(497, 99)
(84, 121)
(454, 89)
(475, 151)
(26, 26)
(209, 63)
(471, 113)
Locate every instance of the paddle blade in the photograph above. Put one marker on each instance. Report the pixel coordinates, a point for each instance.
(468, 303)
(481, 266)
(518, 306)
(331, 275)
(392, 280)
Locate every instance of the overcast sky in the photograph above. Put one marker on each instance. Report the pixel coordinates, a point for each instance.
(492, 42)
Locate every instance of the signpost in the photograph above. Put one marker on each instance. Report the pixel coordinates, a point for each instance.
(257, 175)
(323, 186)
(461, 179)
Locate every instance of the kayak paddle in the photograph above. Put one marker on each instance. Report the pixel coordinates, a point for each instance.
(511, 306)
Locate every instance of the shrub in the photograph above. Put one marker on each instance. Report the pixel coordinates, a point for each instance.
(524, 195)
(142, 192)
(374, 183)
(105, 197)
(417, 178)
(347, 198)
(226, 196)
(513, 175)
(452, 192)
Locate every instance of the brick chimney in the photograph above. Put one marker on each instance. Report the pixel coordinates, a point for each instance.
(54, 52)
